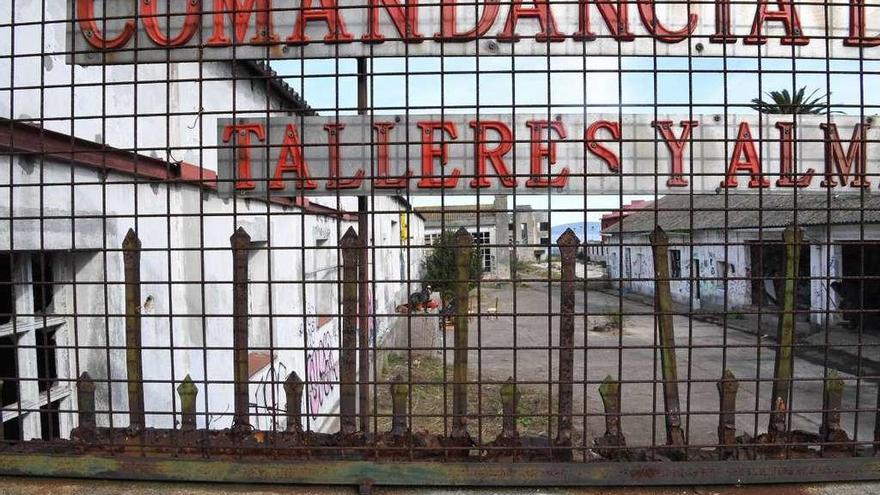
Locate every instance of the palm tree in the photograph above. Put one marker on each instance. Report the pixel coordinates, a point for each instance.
(784, 103)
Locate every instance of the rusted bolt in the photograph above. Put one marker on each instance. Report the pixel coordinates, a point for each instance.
(492, 46)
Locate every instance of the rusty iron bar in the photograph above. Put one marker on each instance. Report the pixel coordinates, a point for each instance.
(793, 237)
(832, 401)
(240, 241)
(348, 375)
(509, 404)
(609, 390)
(293, 390)
(399, 398)
(663, 302)
(727, 389)
(131, 256)
(85, 402)
(187, 391)
(568, 245)
(463, 243)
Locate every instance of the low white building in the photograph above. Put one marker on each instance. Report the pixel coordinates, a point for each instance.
(87, 153)
(727, 249)
(500, 230)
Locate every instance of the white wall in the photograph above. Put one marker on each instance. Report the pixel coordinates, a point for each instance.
(706, 246)
(128, 107)
(182, 249)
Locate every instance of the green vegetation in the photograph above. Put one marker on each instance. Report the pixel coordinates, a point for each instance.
(439, 266)
(782, 102)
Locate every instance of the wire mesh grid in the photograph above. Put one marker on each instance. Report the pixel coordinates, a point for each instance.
(555, 248)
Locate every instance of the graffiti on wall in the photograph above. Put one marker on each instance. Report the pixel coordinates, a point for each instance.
(322, 365)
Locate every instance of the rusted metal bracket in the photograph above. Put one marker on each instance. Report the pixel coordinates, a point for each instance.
(612, 444)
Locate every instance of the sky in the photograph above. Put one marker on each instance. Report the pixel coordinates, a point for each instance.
(568, 84)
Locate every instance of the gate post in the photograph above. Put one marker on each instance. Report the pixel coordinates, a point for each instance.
(187, 391)
(293, 389)
(240, 241)
(131, 258)
(793, 237)
(509, 403)
(85, 404)
(398, 407)
(727, 388)
(568, 244)
(831, 432)
(663, 304)
(463, 242)
(348, 375)
(609, 390)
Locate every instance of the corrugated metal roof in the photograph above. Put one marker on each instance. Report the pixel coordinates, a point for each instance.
(457, 215)
(747, 211)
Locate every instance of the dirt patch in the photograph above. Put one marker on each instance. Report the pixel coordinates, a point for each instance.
(427, 394)
(612, 323)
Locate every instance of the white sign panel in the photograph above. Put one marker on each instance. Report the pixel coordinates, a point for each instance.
(531, 154)
(125, 31)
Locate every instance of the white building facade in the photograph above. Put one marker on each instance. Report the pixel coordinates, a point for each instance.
(92, 152)
(739, 267)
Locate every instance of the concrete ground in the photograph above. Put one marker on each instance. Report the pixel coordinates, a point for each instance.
(704, 350)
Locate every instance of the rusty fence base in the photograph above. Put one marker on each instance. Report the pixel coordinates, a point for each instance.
(443, 474)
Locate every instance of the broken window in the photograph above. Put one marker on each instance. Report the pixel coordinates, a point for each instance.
(675, 263)
(31, 365)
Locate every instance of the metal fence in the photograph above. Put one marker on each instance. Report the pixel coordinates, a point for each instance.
(246, 265)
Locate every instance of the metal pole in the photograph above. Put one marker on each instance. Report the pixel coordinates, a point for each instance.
(568, 244)
(364, 275)
(348, 376)
(727, 389)
(463, 243)
(663, 300)
(131, 256)
(240, 241)
(782, 372)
